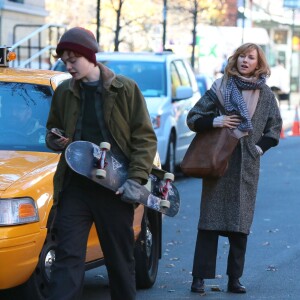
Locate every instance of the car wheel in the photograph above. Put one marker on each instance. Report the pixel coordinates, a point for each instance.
(37, 287)
(170, 164)
(147, 250)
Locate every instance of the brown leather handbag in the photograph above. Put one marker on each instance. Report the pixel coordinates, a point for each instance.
(209, 152)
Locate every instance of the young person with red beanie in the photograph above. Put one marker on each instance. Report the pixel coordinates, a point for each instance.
(96, 105)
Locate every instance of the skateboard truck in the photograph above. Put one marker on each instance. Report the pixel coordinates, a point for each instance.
(101, 163)
(168, 178)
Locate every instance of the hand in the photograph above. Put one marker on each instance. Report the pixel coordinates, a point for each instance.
(227, 121)
(130, 191)
(56, 140)
(259, 150)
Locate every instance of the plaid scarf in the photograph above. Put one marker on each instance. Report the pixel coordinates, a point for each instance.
(234, 102)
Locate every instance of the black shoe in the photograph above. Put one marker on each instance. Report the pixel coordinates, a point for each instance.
(197, 285)
(234, 286)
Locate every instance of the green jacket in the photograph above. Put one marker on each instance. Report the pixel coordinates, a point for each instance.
(126, 117)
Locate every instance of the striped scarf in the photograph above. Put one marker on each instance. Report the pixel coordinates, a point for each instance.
(234, 102)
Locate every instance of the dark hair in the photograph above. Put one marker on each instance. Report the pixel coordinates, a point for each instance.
(263, 66)
(60, 53)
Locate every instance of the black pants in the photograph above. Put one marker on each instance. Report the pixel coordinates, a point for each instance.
(206, 254)
(82, 203)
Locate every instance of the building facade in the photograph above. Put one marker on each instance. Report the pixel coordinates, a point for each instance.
(20, 12)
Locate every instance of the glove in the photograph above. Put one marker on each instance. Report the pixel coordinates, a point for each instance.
(259, 150)
(130, 191)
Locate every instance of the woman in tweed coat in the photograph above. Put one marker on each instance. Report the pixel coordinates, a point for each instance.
(227, 203)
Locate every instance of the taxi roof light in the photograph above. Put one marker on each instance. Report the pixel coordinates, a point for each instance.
(6, 55)
(11, 56)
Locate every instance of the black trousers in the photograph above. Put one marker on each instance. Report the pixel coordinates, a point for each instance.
(82, 203)
(206, 254)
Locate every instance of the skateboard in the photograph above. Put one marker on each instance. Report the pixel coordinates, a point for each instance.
(101, 165)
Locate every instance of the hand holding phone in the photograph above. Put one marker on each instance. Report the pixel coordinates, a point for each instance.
(57, 140)
(57, 132)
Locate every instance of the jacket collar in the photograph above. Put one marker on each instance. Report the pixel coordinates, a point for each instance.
(109, 79)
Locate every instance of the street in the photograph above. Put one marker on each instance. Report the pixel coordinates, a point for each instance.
(272, 260)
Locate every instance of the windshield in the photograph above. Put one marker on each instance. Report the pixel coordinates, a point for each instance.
(150, 76)
(24, 111)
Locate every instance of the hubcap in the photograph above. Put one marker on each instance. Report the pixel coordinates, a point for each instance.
(148, 242)
(49, 259)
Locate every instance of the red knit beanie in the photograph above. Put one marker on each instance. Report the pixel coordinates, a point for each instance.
(79, 40)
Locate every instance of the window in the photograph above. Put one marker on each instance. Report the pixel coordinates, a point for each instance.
(24, 111)
(149, 76)
(179, 76)
(175, 80)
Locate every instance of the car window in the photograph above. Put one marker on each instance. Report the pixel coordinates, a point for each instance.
(182, 72)
(150, 76)
(23, 115)
(175, 79)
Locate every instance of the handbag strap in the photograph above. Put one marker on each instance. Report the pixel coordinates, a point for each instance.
(216, 100)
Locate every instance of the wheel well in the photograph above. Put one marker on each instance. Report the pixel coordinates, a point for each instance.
(51, 217)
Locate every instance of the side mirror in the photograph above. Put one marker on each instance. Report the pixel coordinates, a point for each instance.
(183, 92)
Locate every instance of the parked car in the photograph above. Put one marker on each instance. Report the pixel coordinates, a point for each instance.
(170, 89)
(27, 246)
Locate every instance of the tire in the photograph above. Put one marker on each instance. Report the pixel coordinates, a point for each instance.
(170, 164)
(37, 287)
(147, 250)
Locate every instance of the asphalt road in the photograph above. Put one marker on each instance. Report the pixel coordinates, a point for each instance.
(272, 269)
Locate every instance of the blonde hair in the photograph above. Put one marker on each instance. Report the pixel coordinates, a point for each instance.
(262, 64)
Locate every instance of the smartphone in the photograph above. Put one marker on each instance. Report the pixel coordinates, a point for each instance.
(57, 132)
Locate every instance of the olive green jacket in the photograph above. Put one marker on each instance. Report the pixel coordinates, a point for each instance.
(125, 115)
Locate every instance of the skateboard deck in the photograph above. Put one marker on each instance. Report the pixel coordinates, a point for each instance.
(103, 166)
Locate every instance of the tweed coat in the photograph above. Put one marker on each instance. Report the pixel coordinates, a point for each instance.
(227, 203)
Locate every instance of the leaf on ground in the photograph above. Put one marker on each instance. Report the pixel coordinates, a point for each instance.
(162, 286)
(174, 258)
(170, 266)
(271, 268)
(215, 288)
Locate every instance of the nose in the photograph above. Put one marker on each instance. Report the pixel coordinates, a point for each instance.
(68, 66)
(245, 59)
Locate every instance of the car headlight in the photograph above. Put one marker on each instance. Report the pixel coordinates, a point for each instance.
(15, 211)
(155, 121)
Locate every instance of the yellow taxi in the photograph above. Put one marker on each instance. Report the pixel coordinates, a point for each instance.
(27, 247)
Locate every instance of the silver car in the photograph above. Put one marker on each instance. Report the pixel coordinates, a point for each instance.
(170, 89)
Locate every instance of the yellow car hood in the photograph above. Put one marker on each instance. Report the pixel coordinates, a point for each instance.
(22, 169)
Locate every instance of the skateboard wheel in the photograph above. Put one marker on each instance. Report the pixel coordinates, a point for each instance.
(105, 145)
(100, 173)
(165, 204)
(169, 176)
